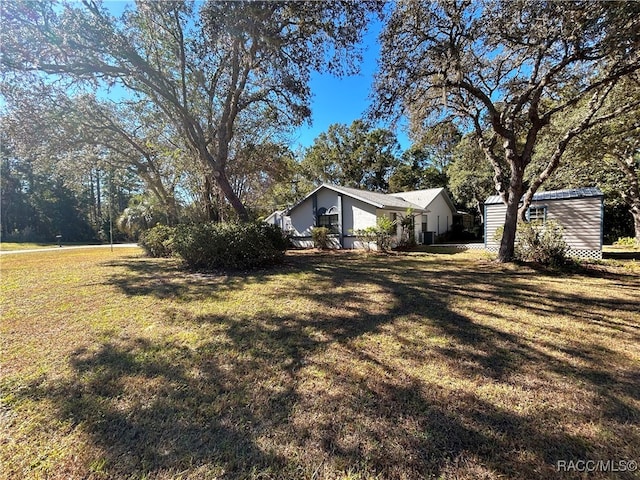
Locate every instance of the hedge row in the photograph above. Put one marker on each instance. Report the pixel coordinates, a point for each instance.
(212, 246)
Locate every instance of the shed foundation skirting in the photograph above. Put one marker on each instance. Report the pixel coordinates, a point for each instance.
(583, 254)
(579, 254)
(459, 246)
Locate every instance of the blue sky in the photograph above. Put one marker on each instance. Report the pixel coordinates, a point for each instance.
(343, 100)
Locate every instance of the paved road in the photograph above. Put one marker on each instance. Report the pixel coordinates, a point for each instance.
(70, 247)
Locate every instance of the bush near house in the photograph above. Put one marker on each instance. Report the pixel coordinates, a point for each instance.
(229, 246)
(320, 236)
(158, 241)
(539, 243)
(627, 242)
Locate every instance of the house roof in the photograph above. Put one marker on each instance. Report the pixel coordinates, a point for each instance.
(378, 200)
(570, 193)
(425, 197)
(273, 214)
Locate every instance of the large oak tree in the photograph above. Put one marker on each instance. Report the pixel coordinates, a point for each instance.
(202, 68)
(508, 70)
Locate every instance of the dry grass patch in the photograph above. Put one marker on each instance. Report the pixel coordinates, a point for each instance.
(338, 365)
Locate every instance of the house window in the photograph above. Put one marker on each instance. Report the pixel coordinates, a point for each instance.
(329, 219)
(330, 222)
(537, 214)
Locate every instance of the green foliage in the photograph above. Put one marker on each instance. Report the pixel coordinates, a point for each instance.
(421, 168)
(366, 236)
(627, 242)
(381, 234)
(158, 241)
(470, 175)
(238, 67)
(229, 246)
(354, 156)
(539, 243)
(321, 238)
(38, 205)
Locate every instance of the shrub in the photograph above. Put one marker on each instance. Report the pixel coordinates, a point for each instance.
(366, 236)
(158, 241)
(381, 234)
(627, 242)
(229, 246)
(540, 243)
(320, 237)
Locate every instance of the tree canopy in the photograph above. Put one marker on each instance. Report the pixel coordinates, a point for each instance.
(205, 70)
(355, 156)
(508, 70)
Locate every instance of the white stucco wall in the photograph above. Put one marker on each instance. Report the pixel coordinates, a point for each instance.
(357, 215)
(302, 219)
(439, 216)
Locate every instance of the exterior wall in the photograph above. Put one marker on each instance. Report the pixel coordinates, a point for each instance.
(581, 219)
(282, 221)
(355, 215)
(439, 216)
(302, 219)
(494, 216)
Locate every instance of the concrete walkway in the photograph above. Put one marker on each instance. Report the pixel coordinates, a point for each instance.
(70, 247)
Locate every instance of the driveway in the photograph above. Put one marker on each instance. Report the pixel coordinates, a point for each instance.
(70, 247)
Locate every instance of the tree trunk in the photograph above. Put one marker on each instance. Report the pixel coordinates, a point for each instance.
(507, 244)
(230, 195)
(514, 195)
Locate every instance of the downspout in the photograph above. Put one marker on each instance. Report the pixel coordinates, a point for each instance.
(601, 222)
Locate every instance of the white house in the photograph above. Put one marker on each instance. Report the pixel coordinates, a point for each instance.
(344, 210)
(579, 211)
(281, 219)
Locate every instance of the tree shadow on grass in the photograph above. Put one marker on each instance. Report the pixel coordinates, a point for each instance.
(342, 387)
(158, 409)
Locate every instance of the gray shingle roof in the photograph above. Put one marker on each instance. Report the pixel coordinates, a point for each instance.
(555, 195)
(381, 200)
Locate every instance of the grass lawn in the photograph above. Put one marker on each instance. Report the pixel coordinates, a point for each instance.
(10, 246)
(337, 365)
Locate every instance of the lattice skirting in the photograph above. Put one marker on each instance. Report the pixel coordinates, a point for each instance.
(460, 246)
(585, 254)
(579, 253)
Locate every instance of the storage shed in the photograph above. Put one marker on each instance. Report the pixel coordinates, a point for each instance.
(579, 211)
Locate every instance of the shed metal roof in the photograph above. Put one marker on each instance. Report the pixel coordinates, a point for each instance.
(570, 193)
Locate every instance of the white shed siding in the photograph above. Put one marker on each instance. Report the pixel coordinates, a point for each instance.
(580, 218)
(494, 219)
